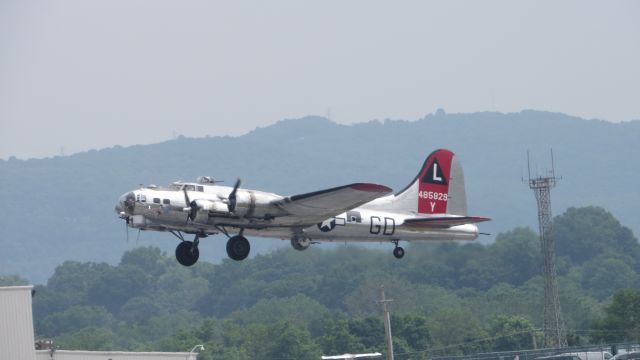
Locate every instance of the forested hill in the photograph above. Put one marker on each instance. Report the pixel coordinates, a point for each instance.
(450, 298)
(61, 208)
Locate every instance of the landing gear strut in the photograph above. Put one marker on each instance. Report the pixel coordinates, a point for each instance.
(398, 251)
(238, 247)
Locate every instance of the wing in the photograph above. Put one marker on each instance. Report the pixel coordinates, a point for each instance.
(443, 221)
(317, 206)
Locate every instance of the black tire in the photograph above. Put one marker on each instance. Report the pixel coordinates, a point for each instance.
(298, 245)
(398, 252)
(238, 248)
(187, 254)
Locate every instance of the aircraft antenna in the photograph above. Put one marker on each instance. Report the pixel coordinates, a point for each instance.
(387, 323)
(555, 334)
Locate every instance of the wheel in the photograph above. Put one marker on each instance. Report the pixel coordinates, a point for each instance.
(398, 252)
(186, 253)
(238, 247)
(300, 243)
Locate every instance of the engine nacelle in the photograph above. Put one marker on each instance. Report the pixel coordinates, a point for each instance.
(245, 203)
(213, 206)
(199, 210)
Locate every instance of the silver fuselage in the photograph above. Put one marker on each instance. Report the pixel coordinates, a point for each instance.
(164, 209)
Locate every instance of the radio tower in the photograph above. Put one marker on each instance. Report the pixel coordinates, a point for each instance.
(555, 335)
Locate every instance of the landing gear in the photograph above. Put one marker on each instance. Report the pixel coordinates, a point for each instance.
(187, 253)
(398, 252)
(300, 243)
(238, 247)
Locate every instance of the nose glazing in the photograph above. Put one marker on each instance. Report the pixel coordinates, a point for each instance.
(119, 207)
(126, 203)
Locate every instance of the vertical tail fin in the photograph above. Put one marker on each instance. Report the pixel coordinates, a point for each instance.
(437, 189)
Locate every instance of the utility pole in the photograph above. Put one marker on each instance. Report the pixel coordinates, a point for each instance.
(387, 323)
(555, 334)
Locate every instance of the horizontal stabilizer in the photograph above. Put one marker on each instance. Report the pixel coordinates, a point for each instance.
(444, 222)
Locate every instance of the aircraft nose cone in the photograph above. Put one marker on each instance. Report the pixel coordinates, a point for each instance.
(126, 204)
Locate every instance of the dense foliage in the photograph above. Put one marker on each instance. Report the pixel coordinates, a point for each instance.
(449, 298)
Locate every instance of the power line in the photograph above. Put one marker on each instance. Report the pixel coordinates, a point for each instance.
(492, 338)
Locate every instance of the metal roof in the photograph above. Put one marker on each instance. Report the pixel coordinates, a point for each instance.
(16, 323)
(111, 355)
(17, 338)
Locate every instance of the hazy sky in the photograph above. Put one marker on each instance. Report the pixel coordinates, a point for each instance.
(78, 74)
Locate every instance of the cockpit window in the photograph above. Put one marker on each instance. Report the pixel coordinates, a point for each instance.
(200, 188)
(141, 198)
(190, 187)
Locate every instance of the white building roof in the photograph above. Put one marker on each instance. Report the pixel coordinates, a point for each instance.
(16, 323)
(111, 355)
(17, 337)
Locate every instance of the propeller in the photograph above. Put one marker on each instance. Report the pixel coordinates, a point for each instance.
(127, 220)
(126, 227)
(190, 206)
(232, 196)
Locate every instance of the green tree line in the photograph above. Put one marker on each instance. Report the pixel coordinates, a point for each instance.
(449, 298)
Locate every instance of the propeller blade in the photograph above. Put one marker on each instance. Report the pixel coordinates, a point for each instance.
(186, 196)
(193, 210)
(232, 196)
(189, 205)
(126, 228)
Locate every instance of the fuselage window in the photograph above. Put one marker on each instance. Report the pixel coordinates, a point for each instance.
(166, 201)
(156, 200)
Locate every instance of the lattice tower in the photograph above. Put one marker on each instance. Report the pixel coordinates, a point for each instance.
(555, 335)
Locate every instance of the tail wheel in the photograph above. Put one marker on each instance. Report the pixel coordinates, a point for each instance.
(300, 243)
(398, 252)
(238, 247)
(187, 253)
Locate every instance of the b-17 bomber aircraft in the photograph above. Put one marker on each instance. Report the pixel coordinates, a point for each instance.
(432, 207)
